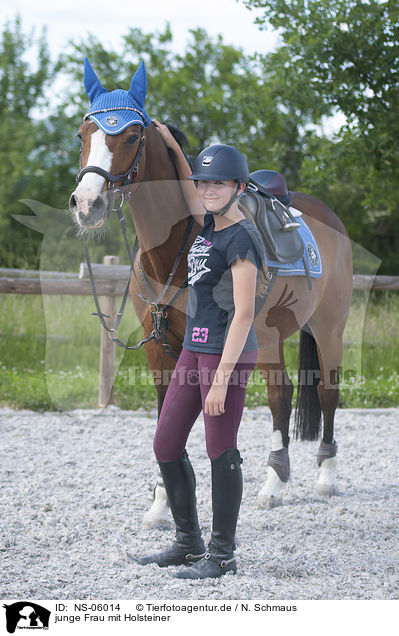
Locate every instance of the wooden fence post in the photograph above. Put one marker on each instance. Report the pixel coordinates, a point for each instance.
(107, 346)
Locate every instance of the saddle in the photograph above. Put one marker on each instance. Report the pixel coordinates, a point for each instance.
(265, 200)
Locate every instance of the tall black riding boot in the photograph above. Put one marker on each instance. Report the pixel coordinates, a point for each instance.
(226, 501)
(188, 547)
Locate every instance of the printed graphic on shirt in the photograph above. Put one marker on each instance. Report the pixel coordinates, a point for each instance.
(200, 334)
(197, 259)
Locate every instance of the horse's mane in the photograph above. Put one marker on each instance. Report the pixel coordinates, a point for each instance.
(181, 140)
(179, 136)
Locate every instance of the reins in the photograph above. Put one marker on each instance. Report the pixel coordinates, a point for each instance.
(158, 313)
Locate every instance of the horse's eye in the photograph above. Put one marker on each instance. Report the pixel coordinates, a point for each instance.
(132, 139)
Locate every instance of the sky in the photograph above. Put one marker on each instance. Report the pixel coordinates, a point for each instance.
(108, 20)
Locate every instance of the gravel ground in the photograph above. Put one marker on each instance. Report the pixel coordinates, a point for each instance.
(75, 486)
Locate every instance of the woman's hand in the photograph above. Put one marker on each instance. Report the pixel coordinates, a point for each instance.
(165, 133)
(214, 401)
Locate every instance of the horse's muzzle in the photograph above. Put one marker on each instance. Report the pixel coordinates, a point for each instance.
(91, 213)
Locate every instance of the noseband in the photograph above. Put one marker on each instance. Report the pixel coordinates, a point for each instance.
(126, 178)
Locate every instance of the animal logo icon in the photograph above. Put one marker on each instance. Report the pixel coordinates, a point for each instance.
(25, 614)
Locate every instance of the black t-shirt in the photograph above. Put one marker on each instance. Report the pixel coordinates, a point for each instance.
(210, 303)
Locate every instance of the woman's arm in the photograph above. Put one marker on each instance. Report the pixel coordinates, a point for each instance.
(244, 275)
(183, 170)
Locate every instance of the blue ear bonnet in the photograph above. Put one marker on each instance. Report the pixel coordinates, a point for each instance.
(116, 110)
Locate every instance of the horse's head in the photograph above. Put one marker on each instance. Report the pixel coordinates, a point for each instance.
(112, 144)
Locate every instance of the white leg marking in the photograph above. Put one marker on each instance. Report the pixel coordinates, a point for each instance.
(277, 441)
(327, 477)
(157, 515)
(271, 494)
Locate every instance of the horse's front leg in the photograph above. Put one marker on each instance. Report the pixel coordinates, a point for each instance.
(158, 515)
(163, 364)
(279, 391)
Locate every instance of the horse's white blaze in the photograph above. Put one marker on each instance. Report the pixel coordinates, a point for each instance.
(92, 184)
(158, 511)
(277, 441)
(327, 476)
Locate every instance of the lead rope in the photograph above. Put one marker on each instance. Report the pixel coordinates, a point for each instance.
(102, 316)
(158, 315)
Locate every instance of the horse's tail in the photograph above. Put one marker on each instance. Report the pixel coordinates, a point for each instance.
(307, 410)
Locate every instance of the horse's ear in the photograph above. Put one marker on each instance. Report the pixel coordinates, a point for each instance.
(138, 86)
(91, 82)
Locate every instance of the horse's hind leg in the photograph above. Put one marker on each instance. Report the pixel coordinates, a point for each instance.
(279, 392)
(329, 350)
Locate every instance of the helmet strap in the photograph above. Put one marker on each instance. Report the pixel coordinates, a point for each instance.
(228, 205)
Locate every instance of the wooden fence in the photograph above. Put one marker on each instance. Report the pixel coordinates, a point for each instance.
(110, 280)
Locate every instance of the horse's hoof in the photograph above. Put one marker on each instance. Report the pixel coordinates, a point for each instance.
(150, 521)
(268, 503)
(158, 515)
(271, 495)
(326, 490)
(325, 484)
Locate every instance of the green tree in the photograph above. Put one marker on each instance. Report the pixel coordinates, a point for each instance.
(22, 93)
(344, 55)
(213, 91)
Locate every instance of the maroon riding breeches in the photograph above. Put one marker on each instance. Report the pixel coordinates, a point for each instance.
(185, 398)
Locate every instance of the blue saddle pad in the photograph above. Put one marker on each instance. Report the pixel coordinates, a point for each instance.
(311, 253)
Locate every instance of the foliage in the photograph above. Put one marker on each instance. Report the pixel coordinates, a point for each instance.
(21, 91)
(335, 57)
(344, 54)
(213, 91)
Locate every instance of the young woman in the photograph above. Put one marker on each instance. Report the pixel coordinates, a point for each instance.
(219, 353)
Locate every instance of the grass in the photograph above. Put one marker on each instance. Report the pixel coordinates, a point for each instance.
(49, 355)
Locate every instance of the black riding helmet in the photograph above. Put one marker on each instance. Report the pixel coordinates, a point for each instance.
(221, 162)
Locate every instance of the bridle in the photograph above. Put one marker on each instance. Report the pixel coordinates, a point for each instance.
(158, 312)
(126, 178)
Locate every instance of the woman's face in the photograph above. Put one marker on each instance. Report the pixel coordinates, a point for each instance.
(214, 195)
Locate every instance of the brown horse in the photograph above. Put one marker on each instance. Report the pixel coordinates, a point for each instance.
(161, 220)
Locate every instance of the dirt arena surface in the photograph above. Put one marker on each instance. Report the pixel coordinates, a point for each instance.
(75, 486)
